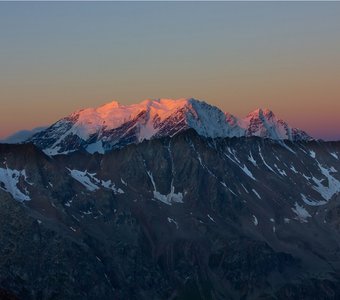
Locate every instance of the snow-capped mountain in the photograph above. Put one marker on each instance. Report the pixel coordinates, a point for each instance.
(263, 123)
(21, 136)
(114, 125)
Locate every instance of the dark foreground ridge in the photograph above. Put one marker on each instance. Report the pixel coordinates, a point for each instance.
(172, 218)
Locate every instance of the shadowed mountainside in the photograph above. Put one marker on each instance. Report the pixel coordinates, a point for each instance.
(185, 217)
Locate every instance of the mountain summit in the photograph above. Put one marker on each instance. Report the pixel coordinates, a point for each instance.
(114, 125)
(263, 123)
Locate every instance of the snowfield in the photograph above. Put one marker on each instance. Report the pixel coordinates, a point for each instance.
(9, 180)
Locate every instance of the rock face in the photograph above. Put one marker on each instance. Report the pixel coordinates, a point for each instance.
(181, 217)
(113, 126)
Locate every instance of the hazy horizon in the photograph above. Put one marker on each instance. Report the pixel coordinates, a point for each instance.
(59, 57)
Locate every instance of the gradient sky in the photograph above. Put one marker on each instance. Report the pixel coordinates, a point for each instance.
(59, 57)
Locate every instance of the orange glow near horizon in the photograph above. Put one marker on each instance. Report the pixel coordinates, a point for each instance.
(237, 56)
(319, 122)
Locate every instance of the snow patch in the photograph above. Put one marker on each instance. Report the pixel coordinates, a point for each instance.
(312, 153)
(9, 179)
(110, 185)
(170, 220)
(306, 177)
(312, 202)
(255, 221)
(95, 147)
(170, 198)
(286, 220)
(55, 151)
(88, 180)
(334, 155)
(252, 160)
(247, 171)
(91, 183)
(245, 188)
(269, 167)
(68, 203)
(293, 169)
(228, 188)
(282, 172)
(256, 193)
(333, 185)
(211, 218)
(301, 213)
(236, 161)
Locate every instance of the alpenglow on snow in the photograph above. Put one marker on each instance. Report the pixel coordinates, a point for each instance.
(113, 125)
